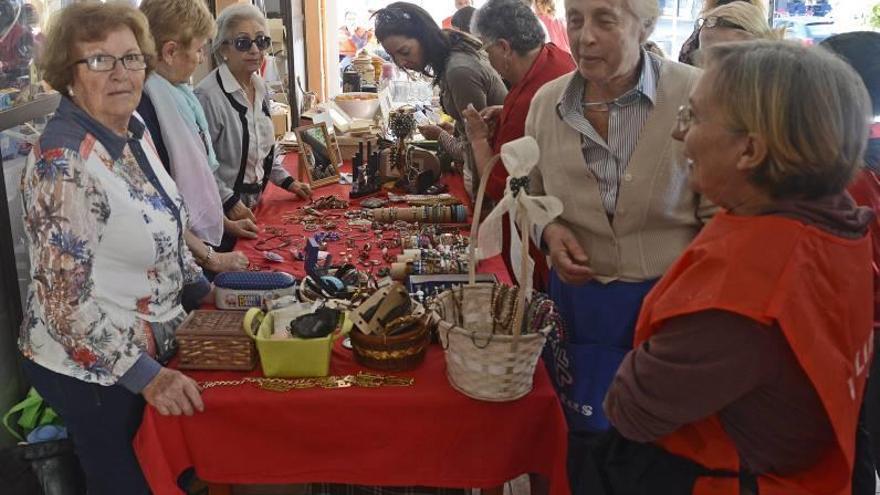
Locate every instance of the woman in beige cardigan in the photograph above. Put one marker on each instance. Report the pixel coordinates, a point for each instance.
(606, 153)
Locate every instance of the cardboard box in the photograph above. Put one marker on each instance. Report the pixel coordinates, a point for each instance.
(219, 5)
(281, 122)
(280, 118)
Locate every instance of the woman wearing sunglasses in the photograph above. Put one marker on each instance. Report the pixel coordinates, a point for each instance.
(737, 21)
(234, 99)
(692, 44)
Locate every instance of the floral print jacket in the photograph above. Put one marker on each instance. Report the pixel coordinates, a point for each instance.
(104, 224)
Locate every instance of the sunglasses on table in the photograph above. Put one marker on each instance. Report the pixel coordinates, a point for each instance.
(106, 63)
(243, 43)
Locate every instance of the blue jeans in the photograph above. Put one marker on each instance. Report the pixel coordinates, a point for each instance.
(102, 422)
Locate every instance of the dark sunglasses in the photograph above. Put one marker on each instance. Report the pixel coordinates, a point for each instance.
(243, 43)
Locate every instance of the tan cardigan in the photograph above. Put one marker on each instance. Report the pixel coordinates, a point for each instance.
(657, 214)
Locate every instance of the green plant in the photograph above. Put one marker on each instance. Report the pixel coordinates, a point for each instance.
(875, 16)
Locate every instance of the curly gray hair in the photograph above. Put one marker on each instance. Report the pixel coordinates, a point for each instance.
(511, 20)
(229, 19)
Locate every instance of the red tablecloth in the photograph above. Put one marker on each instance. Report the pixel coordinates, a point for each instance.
(426, 434)
(276, 203)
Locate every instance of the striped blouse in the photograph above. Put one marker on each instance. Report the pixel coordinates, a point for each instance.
(607, 161)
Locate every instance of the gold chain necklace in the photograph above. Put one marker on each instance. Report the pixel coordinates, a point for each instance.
(367, 380)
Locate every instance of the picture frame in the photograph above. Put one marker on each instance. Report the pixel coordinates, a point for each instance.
(319, 155)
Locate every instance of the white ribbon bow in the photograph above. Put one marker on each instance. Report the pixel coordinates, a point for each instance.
(520, 157)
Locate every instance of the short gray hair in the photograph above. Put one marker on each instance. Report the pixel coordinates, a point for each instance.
(647, 12)
(229, 19)
(511, 20)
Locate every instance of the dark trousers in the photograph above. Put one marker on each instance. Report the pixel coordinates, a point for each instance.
(867, 461)
(102, 422)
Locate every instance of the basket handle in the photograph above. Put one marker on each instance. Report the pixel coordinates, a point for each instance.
(252, 321)
(475, 222)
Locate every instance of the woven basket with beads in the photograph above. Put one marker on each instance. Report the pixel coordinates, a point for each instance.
(488, 357)
(482, 362)
(214, 340)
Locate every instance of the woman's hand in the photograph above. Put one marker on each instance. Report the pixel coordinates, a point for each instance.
(477, 128)
(241, 212)
(491, 114)
(566, 255)
(431, 132)
(301, 189)
(228, 262)
(241, 228)
(173, 393)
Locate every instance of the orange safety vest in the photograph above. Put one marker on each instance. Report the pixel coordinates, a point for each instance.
(818, 288)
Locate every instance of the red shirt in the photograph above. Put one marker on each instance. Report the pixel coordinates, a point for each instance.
(551, 63)
(447, 23)
(865, 190)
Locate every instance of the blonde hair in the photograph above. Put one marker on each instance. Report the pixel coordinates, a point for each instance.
(88, 22)
(749, 17)
(808, 105)
(546, 7)
(178, 20)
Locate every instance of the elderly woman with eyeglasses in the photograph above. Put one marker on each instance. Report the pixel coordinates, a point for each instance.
(692, 44)
(753, 350)
(234, 98)
(105, 231)
(514, 40)
(607, 154)
(737, 21)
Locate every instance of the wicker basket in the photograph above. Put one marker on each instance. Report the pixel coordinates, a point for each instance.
(396, 353)
(214, 340)
(480, 362)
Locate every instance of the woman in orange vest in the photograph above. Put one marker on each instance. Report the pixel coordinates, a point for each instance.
(751, 353)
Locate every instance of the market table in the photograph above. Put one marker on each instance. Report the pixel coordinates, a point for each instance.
(426, 434)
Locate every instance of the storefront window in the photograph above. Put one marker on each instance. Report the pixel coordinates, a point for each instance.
(811, 21)
(675, 25)
(21, 42)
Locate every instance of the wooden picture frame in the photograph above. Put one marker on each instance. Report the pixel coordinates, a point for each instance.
(319, 155)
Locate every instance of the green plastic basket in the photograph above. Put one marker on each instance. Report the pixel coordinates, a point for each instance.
(289, 357)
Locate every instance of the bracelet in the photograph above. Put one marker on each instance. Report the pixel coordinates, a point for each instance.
(208, 255)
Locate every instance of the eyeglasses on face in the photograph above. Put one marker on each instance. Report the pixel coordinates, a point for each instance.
(105, 63)
(684, 119)
(715, 21)
(243, 43)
